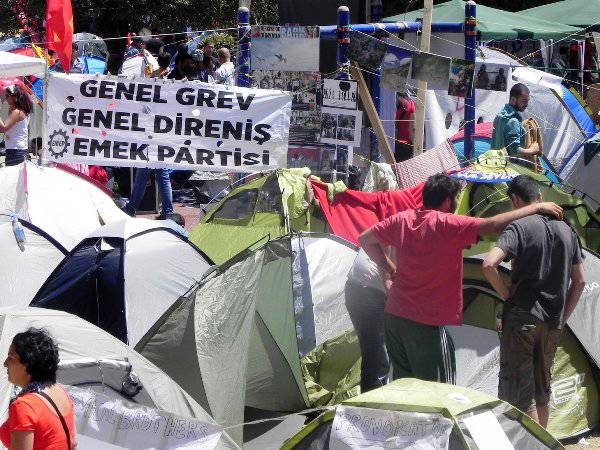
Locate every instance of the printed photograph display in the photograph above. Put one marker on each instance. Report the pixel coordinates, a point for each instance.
(491, 77)
(285, 48)
(340, 93)
(304, 86)
(433, 69)
(460, 83)
(305, 126)
(339, 126)
(394, 77)
(368, 52)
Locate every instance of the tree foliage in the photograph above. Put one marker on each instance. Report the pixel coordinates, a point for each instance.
(115, 18)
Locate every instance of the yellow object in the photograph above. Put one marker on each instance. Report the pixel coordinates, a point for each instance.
(533, 134)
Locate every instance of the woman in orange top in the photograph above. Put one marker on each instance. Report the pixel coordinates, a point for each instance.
(42, 415)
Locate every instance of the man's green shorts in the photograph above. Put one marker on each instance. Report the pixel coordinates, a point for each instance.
(527, 350)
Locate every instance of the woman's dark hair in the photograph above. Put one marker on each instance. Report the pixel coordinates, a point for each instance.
(38, 353)
(22, 100)
(438, 188)
(164, 59)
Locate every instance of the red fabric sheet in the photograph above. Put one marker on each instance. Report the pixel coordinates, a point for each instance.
(352, 212)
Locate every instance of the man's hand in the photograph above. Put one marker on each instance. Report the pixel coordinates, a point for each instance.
(549, 208)
(534, 148)
(388, 285)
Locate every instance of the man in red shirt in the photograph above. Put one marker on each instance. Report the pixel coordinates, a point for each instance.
(405, 126)
(426, 290)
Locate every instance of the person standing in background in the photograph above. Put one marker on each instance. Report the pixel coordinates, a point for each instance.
(405, 127)
(16, 126)
(225, 74)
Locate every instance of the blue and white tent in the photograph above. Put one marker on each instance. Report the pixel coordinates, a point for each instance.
(124, 277)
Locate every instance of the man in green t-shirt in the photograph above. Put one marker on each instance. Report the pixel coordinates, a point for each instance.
(508, 131)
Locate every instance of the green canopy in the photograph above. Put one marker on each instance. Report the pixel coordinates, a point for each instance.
(494, 23)
(578, 13)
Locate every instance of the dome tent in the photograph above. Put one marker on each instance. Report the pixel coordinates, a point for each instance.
(411, 413)
(25, 267)
(269, 206)
(64, 205)
(575, 400)
(92, 358)
(268, 329)
(124, 276)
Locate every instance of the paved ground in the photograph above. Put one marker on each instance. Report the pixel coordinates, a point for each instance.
(190, 214)
(592, 442)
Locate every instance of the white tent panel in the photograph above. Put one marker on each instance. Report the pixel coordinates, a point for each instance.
(14, 65)
(329, 262)
(78, 339)
(62, 204)
(24, 271)
(159, 266)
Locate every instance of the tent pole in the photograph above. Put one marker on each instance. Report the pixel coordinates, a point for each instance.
(44, 111)
(418, 144)
(343, 42)
(243, 77)
(470, 55)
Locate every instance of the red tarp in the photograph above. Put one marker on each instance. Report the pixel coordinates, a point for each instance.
(352, 212)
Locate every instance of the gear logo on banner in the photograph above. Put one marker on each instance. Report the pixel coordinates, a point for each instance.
(58, 143)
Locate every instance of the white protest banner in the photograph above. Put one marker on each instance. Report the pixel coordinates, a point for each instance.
(105, 423)
(156, 123)
(366, 428)
(340, 93)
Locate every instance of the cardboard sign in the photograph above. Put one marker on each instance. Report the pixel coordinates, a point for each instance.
(366, 428)
(109, 121)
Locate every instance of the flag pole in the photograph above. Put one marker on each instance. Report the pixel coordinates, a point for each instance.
(41, 159)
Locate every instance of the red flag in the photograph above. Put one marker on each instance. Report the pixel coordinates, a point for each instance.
(59, 30)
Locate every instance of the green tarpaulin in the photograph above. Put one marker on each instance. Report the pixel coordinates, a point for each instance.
(578, 13)
(492, 23)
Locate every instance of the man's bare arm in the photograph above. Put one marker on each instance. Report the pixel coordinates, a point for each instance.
(490, 270)
(575, 289)
(376, 251)
(494, 225)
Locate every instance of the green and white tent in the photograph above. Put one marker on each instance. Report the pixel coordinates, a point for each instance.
(575, 401)
(577, 13)
(493, 23)
(268, 207)
(415, 414)
(268, 329)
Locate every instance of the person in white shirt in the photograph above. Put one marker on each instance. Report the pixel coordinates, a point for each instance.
(225, 74)
(365, 294)
(16, 126)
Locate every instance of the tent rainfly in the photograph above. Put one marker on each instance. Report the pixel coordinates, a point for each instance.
(92, 359)
(411, 413)
(64, 205)
(124, 276)
(492, 23)
(26, 265)
(577, 13)
(268, 329)
(581, 169)
(14, 65)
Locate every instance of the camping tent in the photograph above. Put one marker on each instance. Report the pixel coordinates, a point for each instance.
(25, 266)
(564, 121)
(581, 169)
(91, 358)
(574, 404)
(267, 207)
(13, 65)
(578, 13)
(124, 276)
(268, 329)
(492, 23)
(410, 413)
(64, 205)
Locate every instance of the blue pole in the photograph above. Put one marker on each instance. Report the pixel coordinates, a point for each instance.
(330, 31)
(243, 60)
(343, 39)
(470, 54)
(376, 13)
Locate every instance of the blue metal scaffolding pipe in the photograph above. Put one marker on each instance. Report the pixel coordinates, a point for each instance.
(470, 55)
(343, 39)
(243, 76)
(330, 31)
